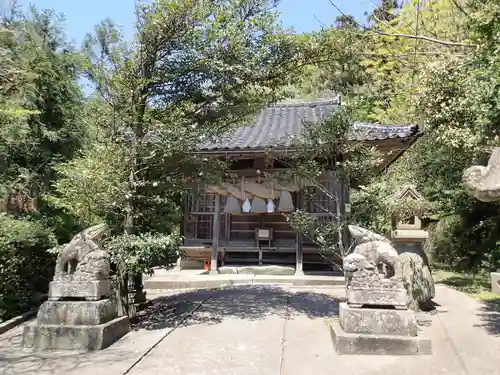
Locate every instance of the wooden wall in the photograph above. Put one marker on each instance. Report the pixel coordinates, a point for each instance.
(238, 229)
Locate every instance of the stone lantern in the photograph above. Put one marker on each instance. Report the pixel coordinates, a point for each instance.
(408, 239)
(407, 234)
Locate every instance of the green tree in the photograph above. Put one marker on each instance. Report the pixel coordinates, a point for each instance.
(385, 11)
(194, 69)
(40, 126)
(440, 71)
(323, 157)
(51, 130)
(460, 108)
(433, 64)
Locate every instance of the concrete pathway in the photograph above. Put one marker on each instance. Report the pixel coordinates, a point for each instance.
(262, 329)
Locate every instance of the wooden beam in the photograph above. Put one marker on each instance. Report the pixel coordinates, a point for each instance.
(215, 237)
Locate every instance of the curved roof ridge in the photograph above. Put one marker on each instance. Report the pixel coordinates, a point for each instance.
(307, 103)
(278, 126)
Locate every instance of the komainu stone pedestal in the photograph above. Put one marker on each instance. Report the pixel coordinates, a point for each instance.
(74, 337)
(379, 293)
(375, 319)
(92, 290)
(76, 324)
(377, 331)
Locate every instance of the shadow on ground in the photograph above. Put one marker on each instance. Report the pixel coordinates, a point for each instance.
(236, 302)
(466, 284)
(490, 309)
(241, 302)
(490, 316)
(16, 361)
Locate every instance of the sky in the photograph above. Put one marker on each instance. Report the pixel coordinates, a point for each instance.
(302, 15)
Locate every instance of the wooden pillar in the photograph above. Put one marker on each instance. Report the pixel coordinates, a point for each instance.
(215, 236)
(298, 256)
(346, 200)
(298, 244)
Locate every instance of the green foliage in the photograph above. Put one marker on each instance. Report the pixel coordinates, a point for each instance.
(453, 96)
(322, 233)
(138, 254)
(459, 106)
(416, 67)
(12, 80)
(324, 150)
(43, 82)
(193, 70)
(468, 242)
(375, 207)
(40, 126)
(91, 186)
(338, 68)
(26, 268)
(394, 64)
(370, 207)
(385, 12)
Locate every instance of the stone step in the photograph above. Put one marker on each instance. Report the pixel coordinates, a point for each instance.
(257, 270)
(76, 312)
(74, 337)
(377, 321)
(368, 344)
(206, 281)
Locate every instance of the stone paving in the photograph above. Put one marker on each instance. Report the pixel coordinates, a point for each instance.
(178, 280)
(263, 329)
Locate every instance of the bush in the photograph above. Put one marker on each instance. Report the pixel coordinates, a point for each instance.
(138, 254)
(26, 268)
(468, 242)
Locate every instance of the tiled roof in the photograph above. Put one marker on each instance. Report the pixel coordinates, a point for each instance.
(279, 125)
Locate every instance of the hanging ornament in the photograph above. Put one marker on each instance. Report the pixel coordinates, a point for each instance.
(258, 206)
(286, 202)
(232, 205)
(270, 206)
(246, 206)
(270, 203)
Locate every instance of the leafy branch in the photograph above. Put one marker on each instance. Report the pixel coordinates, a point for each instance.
(403, 35)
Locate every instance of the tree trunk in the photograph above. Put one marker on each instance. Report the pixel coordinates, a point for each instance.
(129, 229)
(122, 295)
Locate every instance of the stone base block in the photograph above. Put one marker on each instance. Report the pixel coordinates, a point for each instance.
(377, 321)
(76, 312)
(191, 264)
(82, 338)
(89, 290)
(359, 343)
(257, 270)
(396, 297)
(495, 282)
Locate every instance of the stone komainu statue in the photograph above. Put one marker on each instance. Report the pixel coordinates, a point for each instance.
(377, 250)
(80, 313)
(82, 258)
(483, 183)
(356, 264)
(373, 251)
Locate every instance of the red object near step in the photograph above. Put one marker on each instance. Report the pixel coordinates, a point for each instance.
(206, 265)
